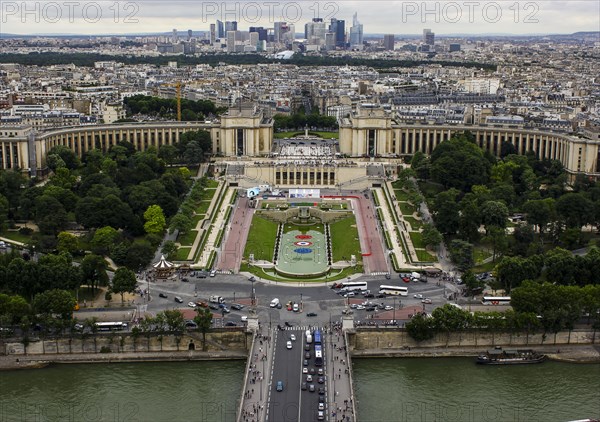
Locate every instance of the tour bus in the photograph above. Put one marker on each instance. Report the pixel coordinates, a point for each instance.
(308, 337)
(318, 355)
(393, 290)
(496, 300)
(350, 286)
(111, 326)
(317, 337)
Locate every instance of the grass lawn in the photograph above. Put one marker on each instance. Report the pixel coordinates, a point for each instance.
(417, 240)
(197, 218)
(344, 239)
(430, 189)
(211, 184)
(401, 195)
(15, 235)
(414, 223)
(487, 267)
(303, 229)
(261, 239)
(406, 208)
(424, 256)
(182, 254)
(188, 238)
(202, 208)
(479, 254)
(207, 194)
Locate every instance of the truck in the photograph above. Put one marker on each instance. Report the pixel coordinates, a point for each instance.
(216, 299)
(274, 303)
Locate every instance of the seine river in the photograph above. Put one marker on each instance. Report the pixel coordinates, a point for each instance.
(411, 390)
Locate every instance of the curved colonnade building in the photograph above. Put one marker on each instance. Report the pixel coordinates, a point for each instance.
(371, 136)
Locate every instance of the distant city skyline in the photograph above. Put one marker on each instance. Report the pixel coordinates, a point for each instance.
(380, 17)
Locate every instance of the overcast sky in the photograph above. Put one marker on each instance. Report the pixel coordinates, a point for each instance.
(398, 17)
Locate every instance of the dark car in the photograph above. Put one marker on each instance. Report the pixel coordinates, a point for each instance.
(202, 274)
(213, 307)
(162, 295)
(311, 388)
(231, 324)
(321, 399)
(304, 386)
(321, 391)
(307, 347)
(185, 280)
(191, 325)
(178, 299)
(321, 380)
(312, 371)
(287, 324)
(305, 363)
(279, 386)
(307, 355)
(370, 308)
(381, 295)
(369, 295)
(310, 314)
(278, 306)
(237, 306)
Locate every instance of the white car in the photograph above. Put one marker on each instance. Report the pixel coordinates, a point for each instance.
(388, 308)
(289, 344)
(321, 406)
(192, 304)
(309, 378)
(292, 337)
(360, 307)
(418, 296)
(305, 370)
(426, 300)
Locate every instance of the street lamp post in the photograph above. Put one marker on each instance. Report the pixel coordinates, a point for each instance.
(394, 309)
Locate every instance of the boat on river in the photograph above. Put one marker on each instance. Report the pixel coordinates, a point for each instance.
(510, 357)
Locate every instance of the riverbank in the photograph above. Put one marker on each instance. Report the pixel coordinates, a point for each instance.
(561, 353)
(37, 361)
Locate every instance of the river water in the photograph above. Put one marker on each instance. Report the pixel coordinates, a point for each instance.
(388, 390)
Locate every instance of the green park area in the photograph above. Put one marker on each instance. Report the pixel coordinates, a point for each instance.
(344, 239)
(261, 239)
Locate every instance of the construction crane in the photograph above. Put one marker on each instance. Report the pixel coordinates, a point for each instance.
(177, 86)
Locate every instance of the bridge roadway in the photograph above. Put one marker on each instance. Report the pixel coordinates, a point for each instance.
(271, 361)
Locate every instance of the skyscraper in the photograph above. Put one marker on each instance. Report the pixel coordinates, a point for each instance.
(220, 30)
(213, 33)
(356, 33)
(174, 38)
(338, 27)
(388, 41)
(428, 37)
(230, 26)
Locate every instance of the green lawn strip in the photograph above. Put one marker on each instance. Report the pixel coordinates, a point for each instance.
(380, 215)
(202, 208)
(424, 256)
(344, 239)
(219, 204)
(388, 201)
(182, 254)
(376, 198)
(414, 223)
(188, 238)
(16, 236)
(406, 208)
(201, 244)
(388, 240)
(219, 238)
(211, 183)
(405, 248)
(197, 218)
(395, 264)
(261, 239)
(211, 260)
(417, 240)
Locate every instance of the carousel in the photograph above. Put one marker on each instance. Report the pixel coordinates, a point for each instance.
(163, 268)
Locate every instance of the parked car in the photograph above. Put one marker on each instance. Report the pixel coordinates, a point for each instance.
(230, 324)
(191, 325)
(162, 295)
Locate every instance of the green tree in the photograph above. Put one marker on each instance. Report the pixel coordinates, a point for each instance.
(203, 319)
(169, 248)
(50, 215)
(103, 239)
(420, 327)
(494, 213)
(540, 213)
(445, 211)
(575, 210)
(168, 153)
(431, 236)
(55, 302)
(181, 222)
(155, 220)
(124, 281)
(93, 269)
(67, 242)
(461, 254)
(174, 320)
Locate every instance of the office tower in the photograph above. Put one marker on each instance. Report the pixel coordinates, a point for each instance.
(330, 41)
(230, 26)
(262, 32)
(315, 31)
(388, 41)
(213, 33)
(356, 33)
(281, 32)
(453, 47)
(220, 30)
(174, 38)
(254, 39)
(338, 27)
(428, 37)
(231, 37)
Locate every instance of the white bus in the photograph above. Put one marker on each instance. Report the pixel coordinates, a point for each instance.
(393, 290)
(496, 300)
(350, 286)
(111, 326)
